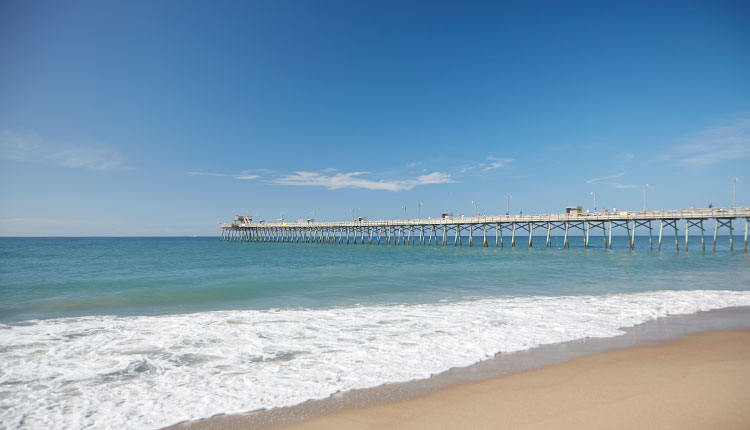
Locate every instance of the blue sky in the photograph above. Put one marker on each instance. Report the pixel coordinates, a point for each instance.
(168, 117)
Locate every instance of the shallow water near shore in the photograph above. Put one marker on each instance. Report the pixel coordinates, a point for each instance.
(147, 332)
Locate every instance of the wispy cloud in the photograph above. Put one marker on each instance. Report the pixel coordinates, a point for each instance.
(33, 149)
(206, 174)
(492, 164)
(355, 180)
(495, 163)
(607, 180)
(716, 145)
(244, 175)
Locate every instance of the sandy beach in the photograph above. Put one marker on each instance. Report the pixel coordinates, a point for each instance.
(698, 381)
(683, 371)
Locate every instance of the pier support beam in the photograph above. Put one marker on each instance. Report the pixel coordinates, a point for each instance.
(670, 223)
(716, 232)
(586, 230)
(661, 228)
(630, 240)
(691, 223)
(531, 230)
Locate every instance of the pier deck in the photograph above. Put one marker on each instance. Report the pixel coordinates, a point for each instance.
(427, 231)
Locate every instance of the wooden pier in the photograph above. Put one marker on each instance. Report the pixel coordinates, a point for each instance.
(443, 231)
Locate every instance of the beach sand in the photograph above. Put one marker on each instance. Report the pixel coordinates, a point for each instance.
(699, 381)
(682, 371)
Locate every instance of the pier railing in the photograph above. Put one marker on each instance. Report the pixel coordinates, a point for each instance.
(407, 231)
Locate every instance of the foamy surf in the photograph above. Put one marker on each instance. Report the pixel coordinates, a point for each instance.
(149, 372)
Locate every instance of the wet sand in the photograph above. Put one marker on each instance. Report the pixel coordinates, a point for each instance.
(684, 371)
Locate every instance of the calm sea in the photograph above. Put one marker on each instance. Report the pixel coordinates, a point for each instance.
(147, 332)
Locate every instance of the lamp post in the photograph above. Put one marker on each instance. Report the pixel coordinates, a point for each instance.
(644, 196)
(475, 206)
(507, 205)
(419, 210)
(593, 193)
(404, 208)
(734, 193)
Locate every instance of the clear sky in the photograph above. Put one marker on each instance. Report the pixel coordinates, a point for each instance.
(168, 117)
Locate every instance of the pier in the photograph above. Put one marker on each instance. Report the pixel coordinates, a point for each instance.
(496, 230)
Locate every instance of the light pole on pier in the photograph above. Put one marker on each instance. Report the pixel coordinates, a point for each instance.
(475, 206)
(507, 205)
(419, 210)
(644, 196)
(593, 193)
(404, 208)
(734, 193)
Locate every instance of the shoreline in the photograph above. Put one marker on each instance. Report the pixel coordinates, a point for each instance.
(649, 334)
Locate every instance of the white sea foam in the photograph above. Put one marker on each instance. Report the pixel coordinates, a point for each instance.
(148, 372)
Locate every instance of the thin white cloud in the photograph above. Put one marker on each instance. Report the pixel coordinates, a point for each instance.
(206, 174)
(433, 178)
(32, 148)
(355, 180)
(607, 180)
(244, 175)
(411, 164)
(716, 145)
(495, 163)
(464, 169)
(335, 179)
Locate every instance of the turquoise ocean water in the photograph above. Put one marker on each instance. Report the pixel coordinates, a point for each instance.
(120, 332)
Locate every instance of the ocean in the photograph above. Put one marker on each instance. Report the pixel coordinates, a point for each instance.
(120, 333)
